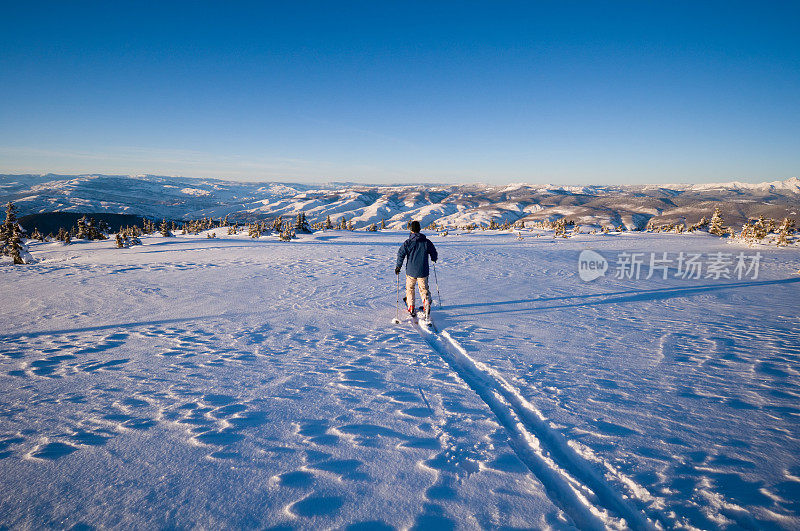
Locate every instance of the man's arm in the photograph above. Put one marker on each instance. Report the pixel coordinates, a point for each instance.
(432, 251)
(401, 255)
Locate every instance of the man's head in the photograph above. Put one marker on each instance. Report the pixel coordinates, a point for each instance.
(414, 226)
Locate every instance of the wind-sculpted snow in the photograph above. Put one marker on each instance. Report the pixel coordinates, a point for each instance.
(449, 205)
(239, 383)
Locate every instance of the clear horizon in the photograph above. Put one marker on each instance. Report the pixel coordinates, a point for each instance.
(566, 94)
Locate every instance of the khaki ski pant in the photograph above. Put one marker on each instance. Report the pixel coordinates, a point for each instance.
(424, 292)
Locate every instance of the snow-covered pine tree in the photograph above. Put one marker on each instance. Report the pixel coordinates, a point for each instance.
(95, 229)
(287, 233)
(703, 223)
(772, 225)
(301, 225)
(328, 223)
(83, 231)
(103, 229)
(350, 225)
(7, 229)
(715, 226)
(784, 231)
(760, 228)
(383, 224)
(165, 232)
(16, 248)
(120, 240)
(132, 236)
(560, 227)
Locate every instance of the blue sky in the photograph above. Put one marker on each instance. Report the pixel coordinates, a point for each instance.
(389, 92)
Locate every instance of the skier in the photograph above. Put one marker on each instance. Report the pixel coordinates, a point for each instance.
(416, 248)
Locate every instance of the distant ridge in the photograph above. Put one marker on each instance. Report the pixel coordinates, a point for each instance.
(158, 197)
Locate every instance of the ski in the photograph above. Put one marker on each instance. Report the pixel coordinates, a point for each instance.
(420, 318)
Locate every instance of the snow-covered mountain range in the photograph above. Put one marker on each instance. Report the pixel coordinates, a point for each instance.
(186, 198)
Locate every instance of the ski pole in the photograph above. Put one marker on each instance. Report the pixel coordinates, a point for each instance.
(437, 285)
(397, 306)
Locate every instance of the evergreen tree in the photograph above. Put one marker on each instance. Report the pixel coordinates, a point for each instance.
(328, 224)
(7, 229)
(286, 233)
(15, 246)
(301, 225)
(786, 228)
(95, 230)
(383, 224)
(165, 232)
(132, 236)
(716, 224)
(772, 225)
(11, 236)
(83, 233)
(702, 224)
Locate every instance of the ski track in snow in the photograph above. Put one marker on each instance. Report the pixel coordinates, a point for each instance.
(199, 383)
(567, 476)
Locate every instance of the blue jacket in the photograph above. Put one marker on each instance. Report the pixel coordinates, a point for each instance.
(417, 248)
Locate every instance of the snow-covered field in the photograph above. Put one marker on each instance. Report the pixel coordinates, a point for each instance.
(238, 383)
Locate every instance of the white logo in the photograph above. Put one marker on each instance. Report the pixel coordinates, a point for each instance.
(591, 265)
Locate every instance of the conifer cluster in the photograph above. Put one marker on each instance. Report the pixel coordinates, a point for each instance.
(768, 229)
(128, 237)
(89, 229)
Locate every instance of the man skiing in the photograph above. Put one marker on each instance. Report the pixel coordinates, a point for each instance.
(416, 249)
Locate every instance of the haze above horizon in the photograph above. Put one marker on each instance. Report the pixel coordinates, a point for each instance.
(565, 93)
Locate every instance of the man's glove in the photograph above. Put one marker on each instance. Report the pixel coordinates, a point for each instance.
(396, 270)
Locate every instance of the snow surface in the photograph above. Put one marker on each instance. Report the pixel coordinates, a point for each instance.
(238, 383)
